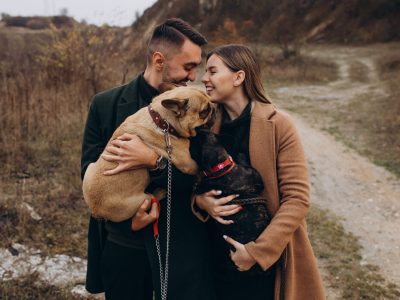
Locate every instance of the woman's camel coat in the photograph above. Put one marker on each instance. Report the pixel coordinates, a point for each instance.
(277, 154)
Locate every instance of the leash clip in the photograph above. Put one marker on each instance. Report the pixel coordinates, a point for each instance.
(167, 138)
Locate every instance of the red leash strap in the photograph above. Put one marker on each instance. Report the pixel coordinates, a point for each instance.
(155, 224)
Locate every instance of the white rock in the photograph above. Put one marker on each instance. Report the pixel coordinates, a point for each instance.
(34, 215)
(80, 291)
(58, 270)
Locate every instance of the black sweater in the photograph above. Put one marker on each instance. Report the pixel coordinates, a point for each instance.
(234, 135)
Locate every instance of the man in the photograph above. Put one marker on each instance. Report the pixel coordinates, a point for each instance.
(122, 257)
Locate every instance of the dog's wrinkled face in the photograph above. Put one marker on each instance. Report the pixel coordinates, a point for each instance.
(188, 108)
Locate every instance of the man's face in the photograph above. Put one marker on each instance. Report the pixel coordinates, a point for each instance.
(181, 67)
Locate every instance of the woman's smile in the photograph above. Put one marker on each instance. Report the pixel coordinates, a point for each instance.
(209, 89)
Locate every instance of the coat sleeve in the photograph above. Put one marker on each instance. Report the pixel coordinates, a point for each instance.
(293, 187)
(200, 214)
(93, 143)
(92, 146)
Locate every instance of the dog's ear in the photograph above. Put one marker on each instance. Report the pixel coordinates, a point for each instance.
(166, 86)
(212, 115)
(178, 106)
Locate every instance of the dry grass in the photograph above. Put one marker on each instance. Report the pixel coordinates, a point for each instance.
(47, 79)
(341, 254)
(30, 288)
(297, 69)
(358, 72)
(387, 128)
(374, 130)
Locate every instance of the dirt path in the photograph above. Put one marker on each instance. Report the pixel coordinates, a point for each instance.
(343, 89)
(363, 195)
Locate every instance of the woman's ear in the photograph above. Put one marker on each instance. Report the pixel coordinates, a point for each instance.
(158, 60)
(239, 78)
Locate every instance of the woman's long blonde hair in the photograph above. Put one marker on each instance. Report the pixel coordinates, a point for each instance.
(240, 58)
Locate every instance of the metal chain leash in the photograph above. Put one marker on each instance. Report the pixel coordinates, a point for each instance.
(164, 271)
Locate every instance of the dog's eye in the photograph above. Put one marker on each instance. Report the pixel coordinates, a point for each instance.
(204, 113)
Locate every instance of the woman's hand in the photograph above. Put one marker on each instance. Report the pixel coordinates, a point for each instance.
(130, 153)
(216, 207)
(240, 257)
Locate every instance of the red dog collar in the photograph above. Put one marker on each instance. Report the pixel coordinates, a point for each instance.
(228, 162)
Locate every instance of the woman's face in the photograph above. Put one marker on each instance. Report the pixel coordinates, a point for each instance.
(218, 79)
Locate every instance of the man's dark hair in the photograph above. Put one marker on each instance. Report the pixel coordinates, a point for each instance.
(171, 35)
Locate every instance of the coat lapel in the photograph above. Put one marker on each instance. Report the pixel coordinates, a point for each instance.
(128, 103)
(261, 142)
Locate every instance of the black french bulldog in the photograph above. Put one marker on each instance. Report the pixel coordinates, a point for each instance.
(220, 172)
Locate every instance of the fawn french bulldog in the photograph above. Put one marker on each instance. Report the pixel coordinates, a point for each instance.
(179, 110)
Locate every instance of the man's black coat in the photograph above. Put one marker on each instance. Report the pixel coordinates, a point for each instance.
(189, 273)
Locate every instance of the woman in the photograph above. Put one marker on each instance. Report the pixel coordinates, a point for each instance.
(249, 124)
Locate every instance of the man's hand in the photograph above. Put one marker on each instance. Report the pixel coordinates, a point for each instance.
(130, 153)
(144, 218)
(241, 258)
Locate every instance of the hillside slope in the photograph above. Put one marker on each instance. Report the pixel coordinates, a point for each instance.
(352, 21)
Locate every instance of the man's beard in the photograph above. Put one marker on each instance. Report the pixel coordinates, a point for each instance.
(167, 78)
